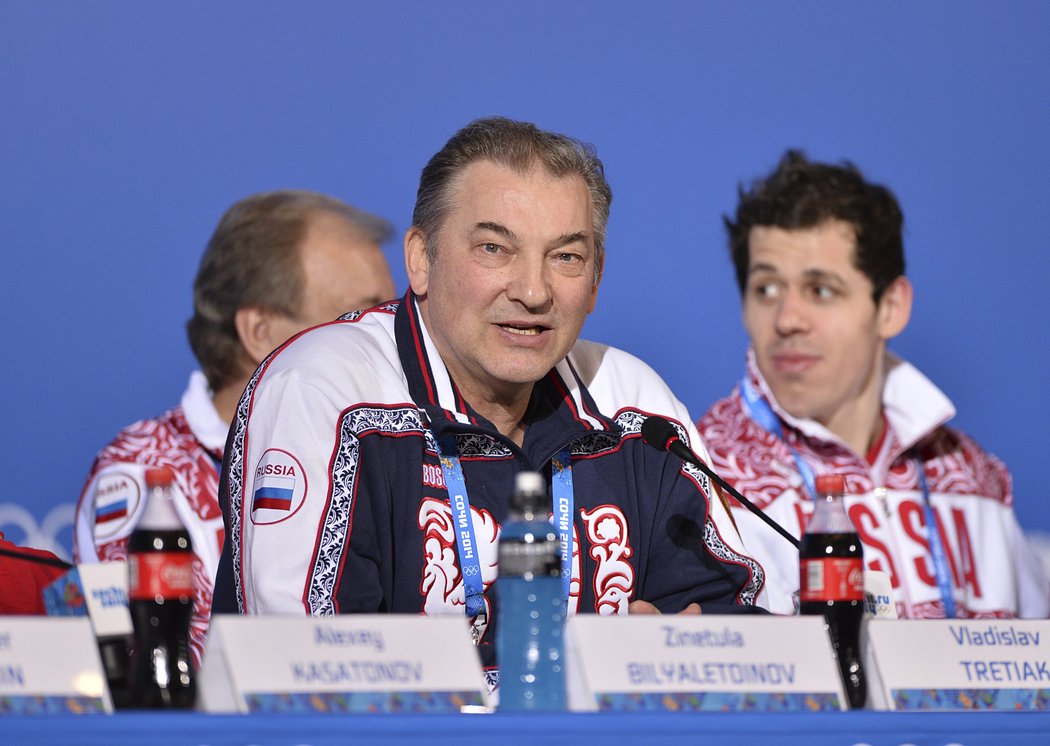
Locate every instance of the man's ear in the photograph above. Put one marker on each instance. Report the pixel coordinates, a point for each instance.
(594, 299)
(894, 308)
(417, 262)
(255, 327)
(594, 290)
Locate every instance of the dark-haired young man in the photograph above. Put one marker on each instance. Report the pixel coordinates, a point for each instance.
(819, 261)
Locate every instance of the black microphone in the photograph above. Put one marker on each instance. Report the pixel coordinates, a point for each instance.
(662, 435)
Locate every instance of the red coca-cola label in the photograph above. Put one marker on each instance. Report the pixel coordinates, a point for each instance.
(167, 575)
(832, 579)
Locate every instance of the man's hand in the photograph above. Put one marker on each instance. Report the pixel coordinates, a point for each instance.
(644, 607)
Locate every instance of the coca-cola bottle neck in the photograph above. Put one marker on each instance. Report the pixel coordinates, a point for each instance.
(829, 515)
(160, 513)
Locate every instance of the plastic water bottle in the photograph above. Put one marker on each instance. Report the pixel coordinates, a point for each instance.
(529, 642)
(160, 598)
(832, 580)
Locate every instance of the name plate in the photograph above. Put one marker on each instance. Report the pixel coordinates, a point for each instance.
(99, 590)
(340, 664)
(702, 663)
(971, 664)
(50, 666)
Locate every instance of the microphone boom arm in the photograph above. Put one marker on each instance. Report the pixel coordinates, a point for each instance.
(742, 500)
(661, 434)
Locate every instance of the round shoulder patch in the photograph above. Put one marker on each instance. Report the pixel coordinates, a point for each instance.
(279, 489)
(117, 497)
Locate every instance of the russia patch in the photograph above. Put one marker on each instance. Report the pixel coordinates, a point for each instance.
(279, 489)
(276, 495)
(117, 495)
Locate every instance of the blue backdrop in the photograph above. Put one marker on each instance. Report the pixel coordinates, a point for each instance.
(127, 128)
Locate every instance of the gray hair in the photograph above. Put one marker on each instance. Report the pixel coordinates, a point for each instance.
(520, 146)
(252, 260)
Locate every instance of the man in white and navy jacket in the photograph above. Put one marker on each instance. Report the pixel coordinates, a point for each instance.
(350, 439)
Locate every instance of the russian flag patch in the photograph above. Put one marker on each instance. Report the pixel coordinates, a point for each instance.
(117, 497)
(111, 511)
(275, 493)
(279, 489)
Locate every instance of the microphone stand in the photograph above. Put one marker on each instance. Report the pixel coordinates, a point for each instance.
(695, 461)
(661, 434)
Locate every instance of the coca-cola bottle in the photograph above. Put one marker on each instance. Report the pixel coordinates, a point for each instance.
(831, 580)
(160, 598)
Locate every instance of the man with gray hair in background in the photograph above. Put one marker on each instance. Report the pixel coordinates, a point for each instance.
(277, 263)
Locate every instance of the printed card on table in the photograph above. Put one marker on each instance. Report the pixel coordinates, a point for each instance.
(964, 664)
(50, 666)
(340, 664)
(702, 663)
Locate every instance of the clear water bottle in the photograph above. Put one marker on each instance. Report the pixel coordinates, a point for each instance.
(831, 580)
(160, 598)
(530, 647)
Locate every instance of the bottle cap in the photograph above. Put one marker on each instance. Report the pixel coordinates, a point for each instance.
(833, 483)
(159, 476)
(530, 491)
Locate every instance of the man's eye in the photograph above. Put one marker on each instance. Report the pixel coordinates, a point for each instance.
(766, 290)
(568, 263)
(823, 292)
(491, 248)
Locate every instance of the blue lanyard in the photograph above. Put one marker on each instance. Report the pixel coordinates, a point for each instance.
(561, 481)
(758, 409)
(463, 523)
(462, 526)
(760, 412)
(933, 536)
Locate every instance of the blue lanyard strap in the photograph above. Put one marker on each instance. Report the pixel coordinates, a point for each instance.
(462, 526)
(561, 481)
(937, 553)
(760, 412)
(463, 522)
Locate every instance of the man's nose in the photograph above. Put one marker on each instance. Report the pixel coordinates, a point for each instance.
(791, 316)
(529, 282)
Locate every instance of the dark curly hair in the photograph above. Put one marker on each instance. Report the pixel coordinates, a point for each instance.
(801, 194)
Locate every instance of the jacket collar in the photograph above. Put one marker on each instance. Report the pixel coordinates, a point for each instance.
(202, 417)
(913, 405)
(561, 408)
